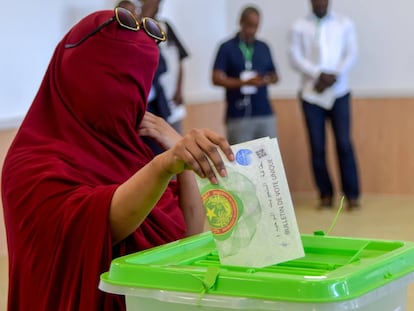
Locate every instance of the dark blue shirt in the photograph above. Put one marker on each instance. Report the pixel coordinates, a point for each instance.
(230, 59)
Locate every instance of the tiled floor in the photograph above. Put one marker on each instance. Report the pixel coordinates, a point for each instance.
(383, 217)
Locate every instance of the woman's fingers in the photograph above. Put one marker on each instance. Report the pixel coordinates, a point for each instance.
(204, 145)
(221, 142)
(158, 129)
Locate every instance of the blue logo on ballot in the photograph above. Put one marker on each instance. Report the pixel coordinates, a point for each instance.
(244, 157)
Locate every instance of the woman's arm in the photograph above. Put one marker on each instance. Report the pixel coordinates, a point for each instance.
(134, 199)
(191, 203)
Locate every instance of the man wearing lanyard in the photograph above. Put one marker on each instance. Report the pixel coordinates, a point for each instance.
(323, 48)
(244, 67)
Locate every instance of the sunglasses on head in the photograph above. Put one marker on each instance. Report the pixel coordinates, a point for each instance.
(127, 20)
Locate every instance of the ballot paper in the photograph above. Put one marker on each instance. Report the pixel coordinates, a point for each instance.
(250, 211)
(326, 99)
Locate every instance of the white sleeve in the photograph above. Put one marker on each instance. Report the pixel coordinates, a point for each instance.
(297, 56)
(350, 52)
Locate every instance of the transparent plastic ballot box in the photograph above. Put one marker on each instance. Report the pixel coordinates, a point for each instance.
(336, 274)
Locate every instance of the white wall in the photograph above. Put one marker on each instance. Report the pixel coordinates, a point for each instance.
(385, 64)
(201, 24)
(28, 37)
(29, 31)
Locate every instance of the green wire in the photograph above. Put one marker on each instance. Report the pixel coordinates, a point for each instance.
(341, 205)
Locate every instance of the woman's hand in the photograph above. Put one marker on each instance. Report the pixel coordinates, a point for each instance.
(159, 130)
(199, 151)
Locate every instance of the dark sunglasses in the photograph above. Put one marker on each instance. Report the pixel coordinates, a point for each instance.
(127, 20)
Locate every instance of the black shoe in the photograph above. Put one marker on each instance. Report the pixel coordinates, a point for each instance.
(353, 204)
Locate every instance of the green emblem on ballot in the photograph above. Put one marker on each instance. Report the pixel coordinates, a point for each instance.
(223, 209)
(233, 211)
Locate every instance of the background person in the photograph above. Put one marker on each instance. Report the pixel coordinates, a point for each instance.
(244, 67)
(323, 48)
(130, 6)
(166, 98)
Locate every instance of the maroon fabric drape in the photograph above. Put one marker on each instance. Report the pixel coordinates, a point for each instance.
(77, 143)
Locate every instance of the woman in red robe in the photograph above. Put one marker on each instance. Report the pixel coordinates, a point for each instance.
(79, 185)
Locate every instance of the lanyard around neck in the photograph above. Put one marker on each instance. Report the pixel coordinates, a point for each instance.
(247, 52)
(318, 29)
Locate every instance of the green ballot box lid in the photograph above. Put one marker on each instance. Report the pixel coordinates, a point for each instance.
(333, 269)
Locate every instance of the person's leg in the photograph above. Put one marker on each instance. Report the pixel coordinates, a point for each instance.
(341, 125)
(315, 118)
(265, 126)
(239, 130)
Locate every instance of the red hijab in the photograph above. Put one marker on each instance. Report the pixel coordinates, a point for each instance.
(77, 143)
